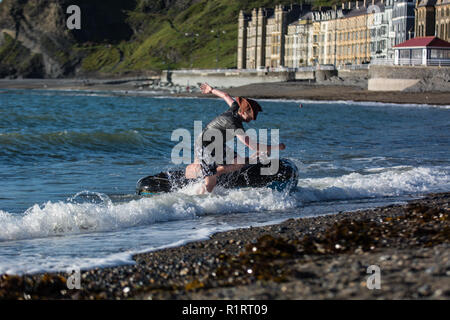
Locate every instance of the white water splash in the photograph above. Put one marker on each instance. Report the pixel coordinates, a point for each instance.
(92, 212)
(379, 182)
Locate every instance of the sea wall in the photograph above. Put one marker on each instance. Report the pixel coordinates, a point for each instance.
(406, 78)
(324, 75)
(353, 75)
(305, 75)
(224, 79)
(235, 78)
(374, 78)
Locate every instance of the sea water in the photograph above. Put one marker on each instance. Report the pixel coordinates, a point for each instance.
(70, 160)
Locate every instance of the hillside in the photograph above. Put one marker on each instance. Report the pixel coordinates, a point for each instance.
(120, 37)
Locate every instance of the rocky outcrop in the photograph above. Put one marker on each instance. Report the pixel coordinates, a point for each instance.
(11, 52)
(40, 28)
(37, 27)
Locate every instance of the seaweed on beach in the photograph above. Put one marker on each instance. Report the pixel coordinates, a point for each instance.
(265, 259)
(419, 225)
(24, 288)
(343, 236)
(259, 260)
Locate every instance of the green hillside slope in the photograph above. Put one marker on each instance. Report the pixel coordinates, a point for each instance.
(202, 36)
(124, 36)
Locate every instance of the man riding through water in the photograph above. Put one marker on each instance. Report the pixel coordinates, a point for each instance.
(206, 164)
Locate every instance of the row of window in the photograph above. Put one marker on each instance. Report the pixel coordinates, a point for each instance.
(418, 53)
(352, 50)
(420, 30)
(444, 12)
(340, 50)
(378, 46)
(375, 46)
(403, 11)
(347, 36)
(443, 30)
(355, 35)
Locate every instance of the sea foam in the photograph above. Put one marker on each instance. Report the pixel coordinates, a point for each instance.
(81, 214)
(69, 217)
(377, 182)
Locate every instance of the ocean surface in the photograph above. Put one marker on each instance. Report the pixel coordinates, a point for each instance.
(70, 160)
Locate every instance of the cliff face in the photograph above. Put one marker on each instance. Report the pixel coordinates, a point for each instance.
(38, 28)
(28, 30)
(118, 36)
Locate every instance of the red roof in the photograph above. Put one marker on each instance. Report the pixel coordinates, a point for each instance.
(424, 42)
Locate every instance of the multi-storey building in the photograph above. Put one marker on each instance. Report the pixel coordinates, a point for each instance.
(299, 42)
(275, 38)
(442, 18)
(379, 31)
(425, 18)
(388, 13)
(358, 32)
(403, 20)
(255, 38)
(353, 38)
(242, 41)
(328, 36)
(261, 36)
(332, 38)
(433, 19)
(276, 30)
(314, 60)
(312, 39)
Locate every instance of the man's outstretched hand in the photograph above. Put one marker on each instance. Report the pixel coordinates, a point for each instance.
(281, 146)
(206, 88)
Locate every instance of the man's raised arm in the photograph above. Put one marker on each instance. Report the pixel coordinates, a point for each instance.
(206, 88)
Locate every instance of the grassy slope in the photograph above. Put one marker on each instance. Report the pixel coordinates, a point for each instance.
(161, 45)
(160, 41)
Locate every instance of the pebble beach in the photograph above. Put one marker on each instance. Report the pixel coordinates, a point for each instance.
(323, 257)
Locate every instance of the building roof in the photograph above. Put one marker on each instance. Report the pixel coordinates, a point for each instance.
(354, 12)
(303, 16)
(363, 10)
(424, 42)
(441, 2)
(426, 3)
(379, 7)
